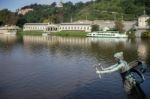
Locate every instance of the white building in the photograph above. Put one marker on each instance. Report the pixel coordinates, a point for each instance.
(25, 11)
(75, 27)
(142, 22)
(52, 28)
(35, 26)
(57, 27)
(59, 4)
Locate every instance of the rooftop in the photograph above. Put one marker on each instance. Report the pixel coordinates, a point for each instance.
(144, 16)
(36, 23)
(74, 24)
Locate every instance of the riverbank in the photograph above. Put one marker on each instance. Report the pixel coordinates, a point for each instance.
(35, 33)
(70, 33)
(62, 33)
(130, 33)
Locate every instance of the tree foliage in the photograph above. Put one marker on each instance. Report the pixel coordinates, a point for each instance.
(95, 27)
(7, 17)
(148, 21)
(91, 10)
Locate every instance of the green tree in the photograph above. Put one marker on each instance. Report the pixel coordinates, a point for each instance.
(99, 9)
(7, 17)
(148, 21)
(95, 27)
(21, 21)
(1, 23)
(45, 21)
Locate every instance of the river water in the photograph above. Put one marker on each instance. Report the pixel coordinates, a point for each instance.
(36, 67)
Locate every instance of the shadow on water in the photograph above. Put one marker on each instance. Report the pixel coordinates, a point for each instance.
(136, 93)
(95, 90)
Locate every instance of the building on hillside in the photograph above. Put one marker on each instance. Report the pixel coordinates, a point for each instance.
(35, 26)
(59, 4)
(83, 21)
(24, 11)
(75, 27)
(104, 23)
(52, 28)
(142, 21)
(111, 24)
(57, 27)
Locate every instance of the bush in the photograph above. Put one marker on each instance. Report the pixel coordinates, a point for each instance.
(146, 34)
(131, 33)
(95, 27)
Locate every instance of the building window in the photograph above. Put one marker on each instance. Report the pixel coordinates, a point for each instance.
(87, 28)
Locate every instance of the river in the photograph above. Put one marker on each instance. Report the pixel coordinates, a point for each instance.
(37, 67)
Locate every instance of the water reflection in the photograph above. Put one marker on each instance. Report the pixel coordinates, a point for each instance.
(142, 51)
(42, 67)
(7, 42)
(8, 39)
(93, 46)
(99, 47)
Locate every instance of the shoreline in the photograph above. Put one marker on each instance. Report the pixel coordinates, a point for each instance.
(62, 33)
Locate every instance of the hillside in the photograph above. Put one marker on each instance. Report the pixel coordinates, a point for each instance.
(99, 9)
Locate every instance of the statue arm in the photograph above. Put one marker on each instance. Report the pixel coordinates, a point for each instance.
(109, 68)
(116, 68)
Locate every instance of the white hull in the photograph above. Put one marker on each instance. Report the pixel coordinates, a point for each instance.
(107, 35)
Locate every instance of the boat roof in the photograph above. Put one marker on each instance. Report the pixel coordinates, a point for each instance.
(106, 31)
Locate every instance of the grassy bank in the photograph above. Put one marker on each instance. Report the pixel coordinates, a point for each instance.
(62, 33)
(35, 33)
(70, 33)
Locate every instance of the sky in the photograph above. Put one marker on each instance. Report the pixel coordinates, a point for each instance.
(15, 4)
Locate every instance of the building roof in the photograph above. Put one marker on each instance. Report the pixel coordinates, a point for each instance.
(144, 16)
(74, 24)
(36, 23)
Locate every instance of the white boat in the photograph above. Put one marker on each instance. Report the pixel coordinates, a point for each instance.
(107, 34)
(9, 30)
